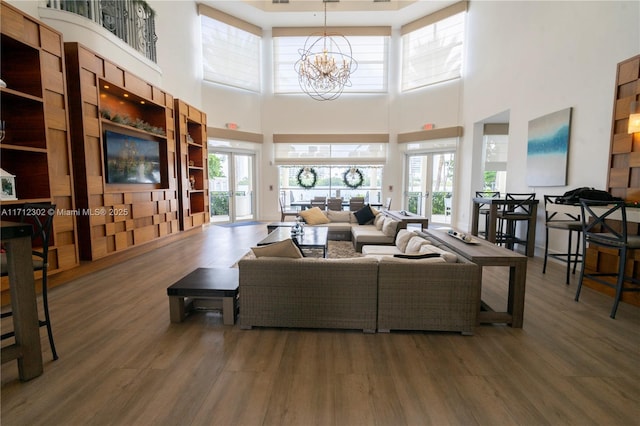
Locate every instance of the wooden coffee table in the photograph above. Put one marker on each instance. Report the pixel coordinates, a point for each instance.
(314, 237)
(210, 288)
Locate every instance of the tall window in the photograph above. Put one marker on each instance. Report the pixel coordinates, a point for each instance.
(432, 48)
(370, 52)
(230, 54)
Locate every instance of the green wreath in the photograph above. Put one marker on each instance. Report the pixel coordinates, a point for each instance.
(353, 178)
(307, 177)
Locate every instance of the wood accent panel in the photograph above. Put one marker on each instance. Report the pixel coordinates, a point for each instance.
(191, 142)
(624, 175)
(37, 146)
(118, 216)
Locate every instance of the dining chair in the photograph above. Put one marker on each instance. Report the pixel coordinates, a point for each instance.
(356, 203)
(334, 203)
(284, 213)
(387, 204)
(562, 222)
(320, 202)
(40, 217)
(484, 210)
(518, 210)
(597, 231)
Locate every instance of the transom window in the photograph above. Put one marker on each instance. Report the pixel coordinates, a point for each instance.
(433, 53)
(230, 55)
(371, 53)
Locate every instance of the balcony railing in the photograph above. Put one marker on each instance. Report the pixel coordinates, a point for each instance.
(133, 21)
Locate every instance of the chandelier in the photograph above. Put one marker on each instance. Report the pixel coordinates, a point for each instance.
(325, 65)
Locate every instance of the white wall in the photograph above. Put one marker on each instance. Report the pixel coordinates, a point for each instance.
(534, 58)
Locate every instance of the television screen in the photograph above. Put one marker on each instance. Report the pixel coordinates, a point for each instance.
(131, 159)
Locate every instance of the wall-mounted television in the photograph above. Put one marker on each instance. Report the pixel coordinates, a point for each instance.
(131, 159)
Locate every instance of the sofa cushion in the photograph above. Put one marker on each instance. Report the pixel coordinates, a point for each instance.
(339, 216)
(368, 234)
(389, 227)
(373, 250)
(313, 216)
(446, 255)
(379, 221)
(285, 248)
(402, 239)
(414, 244)
(365, 215)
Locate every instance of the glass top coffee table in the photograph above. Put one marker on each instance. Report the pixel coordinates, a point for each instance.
(314, 238)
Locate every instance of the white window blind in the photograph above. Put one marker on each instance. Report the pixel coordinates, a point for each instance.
(433, 53)
(231, 56)
(339, 153)
(370, 52)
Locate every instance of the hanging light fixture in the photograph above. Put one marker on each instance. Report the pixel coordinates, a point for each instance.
(325, 65)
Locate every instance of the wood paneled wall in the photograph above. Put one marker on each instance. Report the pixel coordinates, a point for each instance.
(116, 217)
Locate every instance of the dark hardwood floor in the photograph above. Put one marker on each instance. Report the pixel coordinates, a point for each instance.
(122, 362)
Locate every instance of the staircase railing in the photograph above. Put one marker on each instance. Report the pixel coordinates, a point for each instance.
(133, 21)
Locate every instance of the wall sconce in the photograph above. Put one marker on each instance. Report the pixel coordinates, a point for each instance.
(634, 117)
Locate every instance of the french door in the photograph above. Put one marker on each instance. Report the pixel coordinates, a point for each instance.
(429, 186)
(231, 186)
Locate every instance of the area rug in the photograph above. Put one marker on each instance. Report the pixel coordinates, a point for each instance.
(337, 250)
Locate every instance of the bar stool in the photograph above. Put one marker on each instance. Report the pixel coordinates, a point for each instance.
(484, 211)
(40, 216)
(597, 232)
(519, 210)
(562, 222)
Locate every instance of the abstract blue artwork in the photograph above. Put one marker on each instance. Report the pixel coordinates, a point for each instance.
(548, 149)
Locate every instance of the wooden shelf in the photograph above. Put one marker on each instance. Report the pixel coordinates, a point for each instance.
(191, 140)
(36, 146)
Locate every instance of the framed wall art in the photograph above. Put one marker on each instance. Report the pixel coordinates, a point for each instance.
(548, 149)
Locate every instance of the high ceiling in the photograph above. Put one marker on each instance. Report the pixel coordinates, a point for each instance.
(304, 13)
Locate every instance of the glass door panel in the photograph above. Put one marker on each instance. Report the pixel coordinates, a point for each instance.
(231, 186)
(430, 186)
(244, 187)
(219, 187)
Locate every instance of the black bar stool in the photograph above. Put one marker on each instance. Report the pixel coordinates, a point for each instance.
(598, 232)
(518, 210)
(562, 222)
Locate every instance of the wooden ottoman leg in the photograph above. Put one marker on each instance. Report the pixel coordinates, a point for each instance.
(176, 308)
(228, 311)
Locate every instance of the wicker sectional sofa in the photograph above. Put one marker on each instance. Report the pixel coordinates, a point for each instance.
(371, 294)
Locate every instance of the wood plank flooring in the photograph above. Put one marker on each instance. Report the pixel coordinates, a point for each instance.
(122, 362)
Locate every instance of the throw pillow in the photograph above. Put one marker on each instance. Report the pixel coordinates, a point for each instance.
(390, 227)
(284, 248)
(414, 244)
(364, 215)
(313, 216)
(379, 221)
(402, 239)
(339, 216)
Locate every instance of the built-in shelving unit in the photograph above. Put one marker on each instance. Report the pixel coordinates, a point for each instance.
(105, 96)
(191, 132)
(35, 145)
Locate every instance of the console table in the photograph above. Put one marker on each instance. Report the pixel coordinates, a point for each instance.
(484, 253)
(407, 217)
(26, 349)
